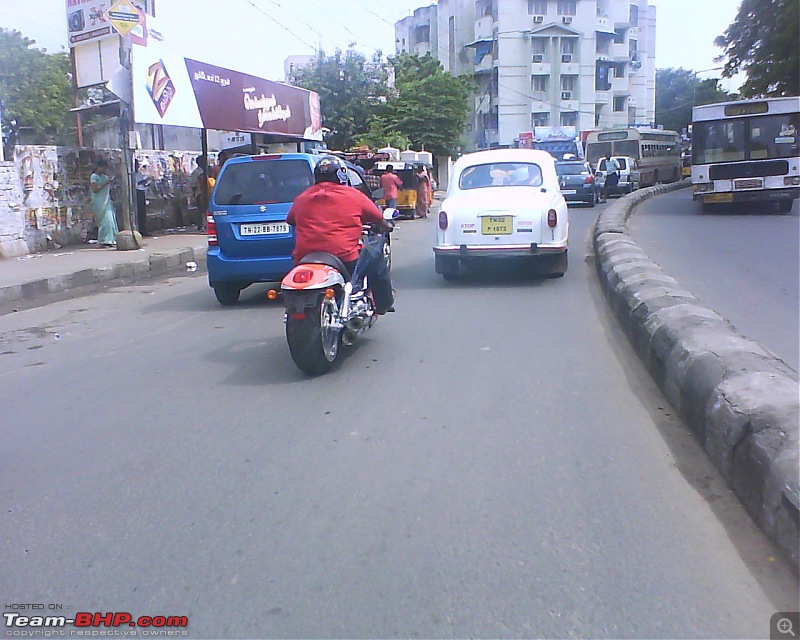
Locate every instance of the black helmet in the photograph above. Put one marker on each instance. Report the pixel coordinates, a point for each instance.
(331, 169)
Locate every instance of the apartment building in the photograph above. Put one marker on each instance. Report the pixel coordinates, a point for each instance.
(583, 63)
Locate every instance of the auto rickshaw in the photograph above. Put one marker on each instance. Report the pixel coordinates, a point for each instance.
(407, 195)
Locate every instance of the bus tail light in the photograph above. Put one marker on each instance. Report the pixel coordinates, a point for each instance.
(791, 181)
(552, 218)
(703, 187)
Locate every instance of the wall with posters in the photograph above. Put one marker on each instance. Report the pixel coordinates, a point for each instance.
(45, 201)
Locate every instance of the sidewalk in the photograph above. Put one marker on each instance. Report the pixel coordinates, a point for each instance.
(34, 275)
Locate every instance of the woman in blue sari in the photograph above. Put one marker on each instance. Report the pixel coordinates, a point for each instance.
(102, 206)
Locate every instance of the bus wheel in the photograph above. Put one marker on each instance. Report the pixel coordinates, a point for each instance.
(707, 207)
(785, 206)
(655, 177)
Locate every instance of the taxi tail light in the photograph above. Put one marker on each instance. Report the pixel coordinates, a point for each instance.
(588, 180)
(443, 220)
(302, 276)
(211, 231)
(552, 218)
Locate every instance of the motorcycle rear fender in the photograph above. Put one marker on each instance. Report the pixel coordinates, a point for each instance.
(322, 277)
(299, 301)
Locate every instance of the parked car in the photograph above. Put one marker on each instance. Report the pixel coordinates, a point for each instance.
(628, 174)
(249, 239)
(579, 183)
(500, 204)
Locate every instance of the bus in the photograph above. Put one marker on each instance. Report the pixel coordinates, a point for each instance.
(746, 151)
(657, 151)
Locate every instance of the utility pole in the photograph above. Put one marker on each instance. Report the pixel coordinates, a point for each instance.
(128, 238)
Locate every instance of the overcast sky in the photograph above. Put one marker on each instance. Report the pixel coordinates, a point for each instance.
(255, 36)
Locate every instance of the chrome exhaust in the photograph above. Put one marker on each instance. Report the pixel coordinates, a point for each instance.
(355, 324)
(349, 337)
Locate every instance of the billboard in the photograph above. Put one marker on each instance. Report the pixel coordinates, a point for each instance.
(86, 21)
(170, 89)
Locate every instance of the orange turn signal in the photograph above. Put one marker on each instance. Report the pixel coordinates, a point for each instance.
(329, 293)
(272, 294)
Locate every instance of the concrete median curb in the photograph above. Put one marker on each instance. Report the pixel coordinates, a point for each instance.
(132, 266)
(740, 400)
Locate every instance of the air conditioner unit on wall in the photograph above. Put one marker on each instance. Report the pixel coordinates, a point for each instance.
(567, 57)
(566, 20)
(538, 18)
(566, 95)
(538, 57)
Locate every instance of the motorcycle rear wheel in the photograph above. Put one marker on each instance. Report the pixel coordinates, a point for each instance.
(313, 342)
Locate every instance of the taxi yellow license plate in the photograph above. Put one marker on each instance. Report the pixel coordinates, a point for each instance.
(497, 225)
(713, 198)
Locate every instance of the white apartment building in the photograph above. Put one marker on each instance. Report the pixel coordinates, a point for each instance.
(583, 63)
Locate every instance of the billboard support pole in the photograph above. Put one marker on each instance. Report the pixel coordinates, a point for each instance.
(201, 215)
(128, 238)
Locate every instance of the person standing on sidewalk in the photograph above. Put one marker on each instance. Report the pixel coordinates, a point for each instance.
(198, 183)
(390, 183)
(141, 198)
(102, 206)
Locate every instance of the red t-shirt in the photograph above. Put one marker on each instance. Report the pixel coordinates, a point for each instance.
(329, 217)
(389, 183)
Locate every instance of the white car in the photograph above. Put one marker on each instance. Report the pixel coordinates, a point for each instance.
(503, 203)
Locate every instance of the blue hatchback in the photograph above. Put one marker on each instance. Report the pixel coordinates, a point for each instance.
(249, 239)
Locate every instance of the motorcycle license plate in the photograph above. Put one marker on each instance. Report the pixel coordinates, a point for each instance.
(264, 229)
(497, 225)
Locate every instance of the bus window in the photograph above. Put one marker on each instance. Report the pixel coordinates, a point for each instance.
(597, 150)
(774, 136)
(627, 148)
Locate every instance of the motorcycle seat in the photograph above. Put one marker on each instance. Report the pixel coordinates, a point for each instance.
(322, 257)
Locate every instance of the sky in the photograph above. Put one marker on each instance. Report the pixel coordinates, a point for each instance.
(255, 36)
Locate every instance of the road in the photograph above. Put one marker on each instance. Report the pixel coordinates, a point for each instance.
(491, 461)
(743, 262)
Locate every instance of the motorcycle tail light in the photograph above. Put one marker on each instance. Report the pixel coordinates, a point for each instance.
(552, 218)
(211, 230)
(302, 276)
(442, 220)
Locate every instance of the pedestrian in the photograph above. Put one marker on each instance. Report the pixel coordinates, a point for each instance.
(222, 157)
(198, 183)
(612, 176)
(423, 192)
(390, 183)
(141, 197)
(102, 205)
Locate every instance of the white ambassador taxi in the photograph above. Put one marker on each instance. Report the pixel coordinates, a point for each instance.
(503, 203)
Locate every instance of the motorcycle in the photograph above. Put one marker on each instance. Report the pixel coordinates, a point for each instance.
(325, 308)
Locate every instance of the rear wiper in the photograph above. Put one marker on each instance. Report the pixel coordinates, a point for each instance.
(235, 198)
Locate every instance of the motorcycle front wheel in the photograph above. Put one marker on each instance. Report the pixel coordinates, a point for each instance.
(314, 340)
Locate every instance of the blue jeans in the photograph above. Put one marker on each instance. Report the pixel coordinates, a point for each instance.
(391, 203)
(372, 265)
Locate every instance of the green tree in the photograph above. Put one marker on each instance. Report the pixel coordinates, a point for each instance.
(677, 91)
(763, 41)
(377, 136)
(35, 87)
(349, 89)
(430, 107)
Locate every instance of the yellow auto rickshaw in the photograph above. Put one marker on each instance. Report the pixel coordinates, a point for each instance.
(407, 194)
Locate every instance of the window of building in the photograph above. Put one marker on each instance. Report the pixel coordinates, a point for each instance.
(567, 7)
(423, 33)
(619, 35)
(633, 50)
(569, 118)
(540, 119)
(601, 8)
(601, 79)
(539, 46)
(569, 82)
(568, 45)
(619, 103)
(537, 7)
(634, 15)
(619, 70)
(539, 84)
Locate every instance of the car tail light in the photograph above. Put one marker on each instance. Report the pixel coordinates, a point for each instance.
(302, 276)
(211, 231)
(588, 180)
(552, 218)
(443, 220)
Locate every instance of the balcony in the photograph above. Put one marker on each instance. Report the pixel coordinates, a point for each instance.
(604, 25)
(602, 97)
(484, 27)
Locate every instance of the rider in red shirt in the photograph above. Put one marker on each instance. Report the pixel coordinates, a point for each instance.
(329, 216)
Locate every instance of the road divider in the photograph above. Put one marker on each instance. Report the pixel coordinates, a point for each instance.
(741, 401)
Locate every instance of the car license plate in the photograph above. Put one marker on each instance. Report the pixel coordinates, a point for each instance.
(568, 192)
(497, 226)
(264, 229)
(718, 197)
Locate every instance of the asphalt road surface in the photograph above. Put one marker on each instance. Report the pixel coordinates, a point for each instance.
(490, 461)
(743, 261)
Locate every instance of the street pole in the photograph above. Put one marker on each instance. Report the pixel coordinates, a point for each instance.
(128, 238)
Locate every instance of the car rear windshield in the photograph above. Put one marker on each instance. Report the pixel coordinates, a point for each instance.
(571, 169)
(501, 174)
(263, 182)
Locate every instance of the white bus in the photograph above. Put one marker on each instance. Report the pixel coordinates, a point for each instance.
(746, 151)
(656, 151)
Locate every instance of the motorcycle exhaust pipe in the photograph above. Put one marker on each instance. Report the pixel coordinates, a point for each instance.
(349, 337)
(355, 324)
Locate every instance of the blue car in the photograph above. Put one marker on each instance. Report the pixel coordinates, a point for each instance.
(249, 240)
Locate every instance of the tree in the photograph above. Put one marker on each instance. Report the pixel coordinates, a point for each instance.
(677, 91)
(762, 42)
(377, 136)
(431, 106)
(349, 89)
(35, 87)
